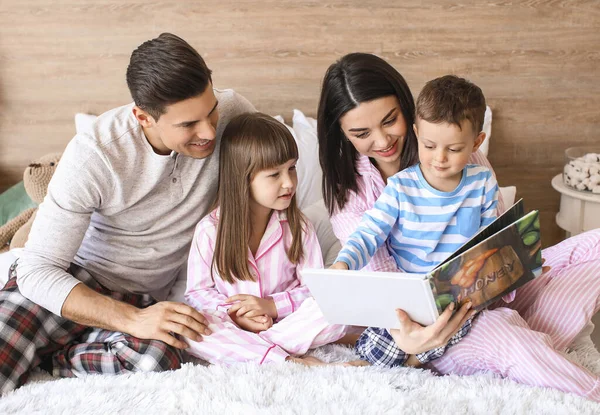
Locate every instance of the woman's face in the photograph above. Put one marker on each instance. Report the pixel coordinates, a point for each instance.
(376, 129)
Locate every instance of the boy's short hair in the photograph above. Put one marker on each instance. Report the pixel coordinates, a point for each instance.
(451, 99)
(164, 71)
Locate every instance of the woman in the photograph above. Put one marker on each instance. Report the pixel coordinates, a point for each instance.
(365, 119)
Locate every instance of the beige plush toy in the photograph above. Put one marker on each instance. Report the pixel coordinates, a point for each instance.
(36, 178)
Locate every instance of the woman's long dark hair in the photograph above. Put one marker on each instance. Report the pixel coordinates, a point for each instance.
(354, 79)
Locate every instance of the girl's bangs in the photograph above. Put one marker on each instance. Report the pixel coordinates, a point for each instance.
(272, 147)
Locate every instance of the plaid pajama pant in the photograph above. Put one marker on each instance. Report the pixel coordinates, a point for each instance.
(30, 335)
(377, 346)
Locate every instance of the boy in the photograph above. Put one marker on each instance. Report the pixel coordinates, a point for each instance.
(429, 210)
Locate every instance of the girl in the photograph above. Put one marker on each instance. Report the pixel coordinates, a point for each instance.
(365, 119)
(245, 255)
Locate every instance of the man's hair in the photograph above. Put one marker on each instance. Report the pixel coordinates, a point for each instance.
(451, 99)
(164, 71)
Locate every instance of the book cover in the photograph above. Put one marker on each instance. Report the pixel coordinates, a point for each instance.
(501, 258)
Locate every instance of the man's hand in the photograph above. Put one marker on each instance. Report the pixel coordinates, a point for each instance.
(163, 320)
(250, 306)
(253, 324)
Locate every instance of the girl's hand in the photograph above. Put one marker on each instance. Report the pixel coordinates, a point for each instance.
(251, 306)
(339, 265)
(413, 338)
(253, 324)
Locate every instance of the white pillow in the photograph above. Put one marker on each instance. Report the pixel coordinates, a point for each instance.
(319, 217)
(487, 129)
(310, 174)
(508, 195)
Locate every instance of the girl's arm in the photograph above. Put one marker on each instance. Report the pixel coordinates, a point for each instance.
(288, 301)
(201, 292)
(373, 230)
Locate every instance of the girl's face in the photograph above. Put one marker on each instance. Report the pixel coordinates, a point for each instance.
(376, 129)
(274, 188)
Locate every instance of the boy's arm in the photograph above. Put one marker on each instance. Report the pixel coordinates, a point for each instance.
(346, 222)
(489, 208)
(373, 230)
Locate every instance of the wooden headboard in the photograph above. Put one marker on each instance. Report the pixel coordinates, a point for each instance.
(536, 61)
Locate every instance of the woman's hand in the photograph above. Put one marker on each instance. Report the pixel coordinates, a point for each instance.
(251, 306)
(545, 268)
(413, 338)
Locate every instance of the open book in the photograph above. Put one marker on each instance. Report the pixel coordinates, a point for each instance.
(500, 258)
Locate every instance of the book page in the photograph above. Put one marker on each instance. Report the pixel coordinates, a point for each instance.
(492, 268)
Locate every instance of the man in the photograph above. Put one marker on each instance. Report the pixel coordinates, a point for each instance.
(113, 234)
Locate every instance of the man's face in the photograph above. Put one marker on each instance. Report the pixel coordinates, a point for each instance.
(187, 127)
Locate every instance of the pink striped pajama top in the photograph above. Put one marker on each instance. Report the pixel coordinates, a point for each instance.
(276, 276)
(300, 324)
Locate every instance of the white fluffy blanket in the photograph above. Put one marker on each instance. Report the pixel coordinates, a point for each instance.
(293, 389)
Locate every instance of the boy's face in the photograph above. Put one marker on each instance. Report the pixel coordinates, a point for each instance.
(187, 127)
(444, 151)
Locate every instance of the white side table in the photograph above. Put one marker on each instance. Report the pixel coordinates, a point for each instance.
(579, 211)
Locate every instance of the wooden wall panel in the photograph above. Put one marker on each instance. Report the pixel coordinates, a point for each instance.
(537, 62)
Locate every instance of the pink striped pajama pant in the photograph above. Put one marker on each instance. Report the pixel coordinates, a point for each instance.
(304, 329)
(526, 340)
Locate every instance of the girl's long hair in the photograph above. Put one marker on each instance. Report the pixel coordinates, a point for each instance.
(250, 143)
(354, 79)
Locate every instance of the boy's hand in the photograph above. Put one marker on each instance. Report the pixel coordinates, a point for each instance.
(339, 265)
(251, 306)
(253, 324)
